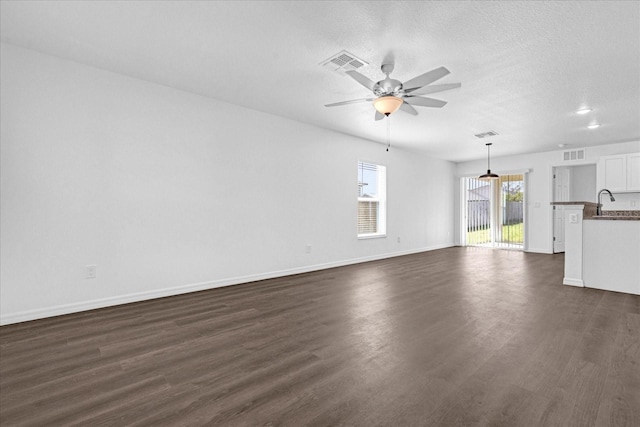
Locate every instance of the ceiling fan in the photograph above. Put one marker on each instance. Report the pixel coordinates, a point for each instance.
(391, 94)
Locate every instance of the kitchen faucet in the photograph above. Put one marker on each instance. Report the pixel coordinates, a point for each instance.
(599, 208)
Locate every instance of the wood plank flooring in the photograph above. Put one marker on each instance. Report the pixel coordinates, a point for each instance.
(459, 336)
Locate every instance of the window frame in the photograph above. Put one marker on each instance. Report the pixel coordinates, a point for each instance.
(381, 199)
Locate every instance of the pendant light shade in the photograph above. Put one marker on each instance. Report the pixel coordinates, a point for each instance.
(387, 104)
(488, 176)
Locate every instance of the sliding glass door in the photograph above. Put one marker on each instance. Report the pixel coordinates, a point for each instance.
(494, 212)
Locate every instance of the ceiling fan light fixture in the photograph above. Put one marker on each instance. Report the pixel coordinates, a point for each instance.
(387, 104)
(389, 94)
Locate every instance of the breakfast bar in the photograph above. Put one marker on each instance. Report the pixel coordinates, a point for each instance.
(611, 253)
(601, 251)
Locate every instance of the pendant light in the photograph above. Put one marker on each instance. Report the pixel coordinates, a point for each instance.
(488, 176)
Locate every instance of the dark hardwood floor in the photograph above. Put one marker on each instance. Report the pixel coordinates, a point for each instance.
(459, 336)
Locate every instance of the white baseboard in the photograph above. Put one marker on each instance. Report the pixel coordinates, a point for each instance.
(573, 282)
(539, 251)
(24, 316)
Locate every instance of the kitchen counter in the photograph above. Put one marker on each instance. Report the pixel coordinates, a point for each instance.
(595, 205)
(611, 251)
(618, 215)
(615, 218)
(589, 208)
(601, 251)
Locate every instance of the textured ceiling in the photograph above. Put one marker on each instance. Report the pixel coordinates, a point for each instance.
(525, 67)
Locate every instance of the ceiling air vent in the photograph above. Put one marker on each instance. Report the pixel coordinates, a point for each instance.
(343, 61)
(570, 155)
(486, 134)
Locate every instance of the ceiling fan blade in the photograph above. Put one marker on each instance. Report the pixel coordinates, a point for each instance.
(363, 80)
(433, 89)
(353, 101)
(425, 79)
(379, 115)
(407, 108)
(425, 102)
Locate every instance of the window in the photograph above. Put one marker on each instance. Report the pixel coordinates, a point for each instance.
(372, 200)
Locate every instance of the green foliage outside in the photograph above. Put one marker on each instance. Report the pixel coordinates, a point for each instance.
(514, 197)
(513, 233)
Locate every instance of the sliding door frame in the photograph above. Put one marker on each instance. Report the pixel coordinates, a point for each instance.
(463, 207)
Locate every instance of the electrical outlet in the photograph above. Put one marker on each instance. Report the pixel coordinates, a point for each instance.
(308, 249)
(632, 203)
(90, 271)
(398, 239)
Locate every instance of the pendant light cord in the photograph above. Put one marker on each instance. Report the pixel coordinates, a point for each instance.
(488, 156)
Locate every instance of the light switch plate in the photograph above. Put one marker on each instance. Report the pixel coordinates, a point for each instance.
(90, 271)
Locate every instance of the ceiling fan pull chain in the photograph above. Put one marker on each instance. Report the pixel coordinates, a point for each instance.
(388, 132)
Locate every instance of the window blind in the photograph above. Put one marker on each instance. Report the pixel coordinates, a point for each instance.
(371, 199)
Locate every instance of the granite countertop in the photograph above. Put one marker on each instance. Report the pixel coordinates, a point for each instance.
(618, 215)
(615, 218)
(575, 203)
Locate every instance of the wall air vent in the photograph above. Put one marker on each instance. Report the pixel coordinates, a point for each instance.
(343, 61)
(486, 134)
(573, 155)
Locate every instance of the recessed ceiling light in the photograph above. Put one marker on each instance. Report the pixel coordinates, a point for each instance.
(593, 126)
(583, 111)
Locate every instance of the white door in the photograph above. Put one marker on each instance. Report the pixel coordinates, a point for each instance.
(561, 178)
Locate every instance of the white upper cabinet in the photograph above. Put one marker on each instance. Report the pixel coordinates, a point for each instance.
(633, 172)
(614, 172)
(619, 173)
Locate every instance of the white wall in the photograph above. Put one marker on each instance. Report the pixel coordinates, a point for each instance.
(539, 220)
(170, 192)
(583, 183)
(623, 202)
